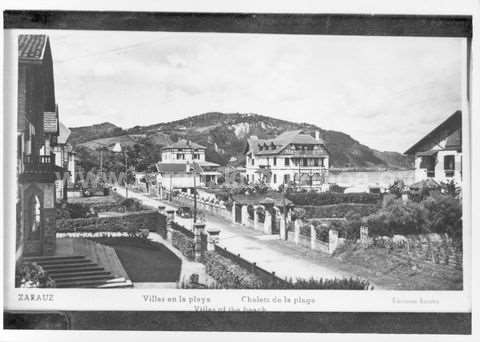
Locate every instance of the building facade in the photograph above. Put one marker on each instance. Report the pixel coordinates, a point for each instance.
(438, 156)
(65, 160)
(184, 167)
(37, 134)
(293, 157)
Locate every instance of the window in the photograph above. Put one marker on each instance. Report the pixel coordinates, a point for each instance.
(315, 162)
(274, 161)
(287, 161)
(305, 162)
(322, 162)
(253, 161)
(286, 179)
(449, 165)
(274, 178)
(248, 178)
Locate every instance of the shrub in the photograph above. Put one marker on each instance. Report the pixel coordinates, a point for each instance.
(183, 244)
(444, 215)
(324, 198)
(30, 274)
(132, 204)
(398, 218)
(436, 214)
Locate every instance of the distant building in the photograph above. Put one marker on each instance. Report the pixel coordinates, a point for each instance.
(65, 159)
(37, 134)
(293, 157)
(438, 155)
(183, 166)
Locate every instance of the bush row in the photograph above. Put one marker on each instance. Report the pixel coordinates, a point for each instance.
(339, 210)
(30, 274)
(325, 198)
(228, 274)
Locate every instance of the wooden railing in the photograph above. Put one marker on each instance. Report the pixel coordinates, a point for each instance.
(38, 164)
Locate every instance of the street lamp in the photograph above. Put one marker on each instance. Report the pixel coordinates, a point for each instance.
(117, 148)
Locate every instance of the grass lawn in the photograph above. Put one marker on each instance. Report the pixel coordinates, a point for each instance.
(145, 261)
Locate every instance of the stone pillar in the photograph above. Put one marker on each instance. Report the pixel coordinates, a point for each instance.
(244, 215)
(233, 212)
(198, 231)
(170, 218)
(332, 240)
(267, 225)
(313, 237)
(283, 228)
(296, 234)
(213, 239)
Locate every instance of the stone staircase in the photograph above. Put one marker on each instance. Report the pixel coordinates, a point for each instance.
(78, 272)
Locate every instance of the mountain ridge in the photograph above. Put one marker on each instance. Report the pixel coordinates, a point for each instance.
(225, 136)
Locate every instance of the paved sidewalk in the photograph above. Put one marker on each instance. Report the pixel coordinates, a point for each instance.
(285, 259)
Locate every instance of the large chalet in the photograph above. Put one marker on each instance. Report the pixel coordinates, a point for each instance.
(293, 157)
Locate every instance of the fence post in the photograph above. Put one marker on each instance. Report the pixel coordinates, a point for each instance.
(244, 214)
(332, 240)
(170, 218)
(296, 233)
(267, 225)
(233, 212)
(313, 237)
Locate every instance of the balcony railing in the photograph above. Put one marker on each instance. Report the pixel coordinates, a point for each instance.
(38, 164)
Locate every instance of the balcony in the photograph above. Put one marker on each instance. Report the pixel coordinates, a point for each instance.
(449, 173)
(37, 168)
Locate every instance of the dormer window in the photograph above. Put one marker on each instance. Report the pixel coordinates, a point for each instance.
(260, 147)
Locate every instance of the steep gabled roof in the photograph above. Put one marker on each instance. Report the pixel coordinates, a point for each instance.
(183, 143)
(31, 47)
(64, 133)
(281, 142)
(442, 131)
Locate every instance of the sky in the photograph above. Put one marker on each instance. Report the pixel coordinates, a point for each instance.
(386, 92)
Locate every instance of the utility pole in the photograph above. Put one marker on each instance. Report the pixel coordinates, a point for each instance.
(126, 175)
(194, 198)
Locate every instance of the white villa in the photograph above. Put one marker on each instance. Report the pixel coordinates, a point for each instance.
(183, 166)
(292, 157)
(438, 155)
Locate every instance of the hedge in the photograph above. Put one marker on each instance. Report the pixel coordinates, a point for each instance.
(183, 244)
(325, 198)
(229, 275)
(339, 210)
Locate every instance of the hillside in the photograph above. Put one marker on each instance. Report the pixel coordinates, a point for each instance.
(225, 136)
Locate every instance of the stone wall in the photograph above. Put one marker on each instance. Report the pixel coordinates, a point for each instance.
(146, 219)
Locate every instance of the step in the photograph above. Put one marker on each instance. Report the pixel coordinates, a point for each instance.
(76, 270)
(65, 275)
(107, 276)
(53, 257)
(93, 283)
(61, 262)
(68, 266)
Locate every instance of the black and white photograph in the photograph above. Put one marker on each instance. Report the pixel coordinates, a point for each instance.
(160, 162)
